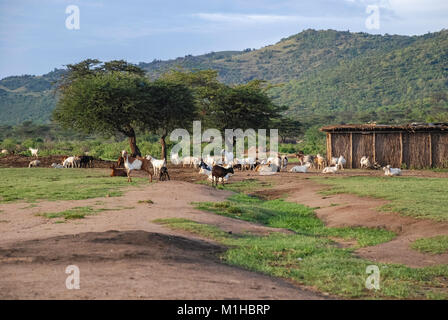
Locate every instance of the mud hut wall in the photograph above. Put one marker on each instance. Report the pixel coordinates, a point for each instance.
(388, 149)
(362, 146)
(417, 150)
(340, 145)
(439, 142)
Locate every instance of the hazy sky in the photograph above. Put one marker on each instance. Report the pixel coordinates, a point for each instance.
(34, 38)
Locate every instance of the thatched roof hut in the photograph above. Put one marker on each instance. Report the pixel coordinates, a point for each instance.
(415, 145)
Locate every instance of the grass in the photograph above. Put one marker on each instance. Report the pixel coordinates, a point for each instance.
(79, 212)
(410, 196)
(22, 184)
(434, 245)
(74, 213)
(149, 201)
(315, 261)
(296, 217)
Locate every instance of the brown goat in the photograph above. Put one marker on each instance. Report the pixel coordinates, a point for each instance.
(118, 172)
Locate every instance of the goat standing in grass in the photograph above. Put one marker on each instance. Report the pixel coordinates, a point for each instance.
(139, 163)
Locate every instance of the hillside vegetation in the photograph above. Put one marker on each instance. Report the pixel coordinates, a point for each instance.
(322, 76)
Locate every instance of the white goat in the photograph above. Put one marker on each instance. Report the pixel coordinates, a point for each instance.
(156, 164)
(33, 152)
(365, 163)
(341, 163)
(175, 159)
(5, 152)
(56, 165)
(69, 162)
(388, 171)
(34, 163)
(330, 169)
(301, 169)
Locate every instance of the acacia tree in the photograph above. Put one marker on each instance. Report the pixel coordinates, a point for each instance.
(115, 97)
(104, 103)
(172, 107)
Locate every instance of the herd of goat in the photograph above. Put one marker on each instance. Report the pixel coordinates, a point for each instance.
(217, 168)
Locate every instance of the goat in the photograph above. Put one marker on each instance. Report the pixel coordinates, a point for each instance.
(5, 152)
(228, 156)
(365, 163)
(266, 169)
(191, 161)
(203, 165)
(220, 172)
(175, 159)
(120, 162)
(33, 152)
(69, 162)
(163, 176)
(301, 169)
(320, 162)
(86, 161)
(156, 164)
(284, 163)
(139, 163)
(56, 165)
(341, 162)
(34, 163)
(388, 171)
(330, 169)
(117, 172)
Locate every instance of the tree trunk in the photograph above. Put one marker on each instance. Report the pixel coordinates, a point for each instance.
(135, 151)
(163, 143)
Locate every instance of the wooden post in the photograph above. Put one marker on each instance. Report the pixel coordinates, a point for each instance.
(430, 149)
(351, 150)
(330, 151)
(401, 149)
(374, 148)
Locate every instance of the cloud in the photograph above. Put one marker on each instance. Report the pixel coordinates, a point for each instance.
(244, 18)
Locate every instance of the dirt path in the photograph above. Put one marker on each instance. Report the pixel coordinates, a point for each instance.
(349, 210)
(123, 255)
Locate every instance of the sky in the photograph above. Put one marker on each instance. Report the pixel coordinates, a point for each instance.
(35, 37)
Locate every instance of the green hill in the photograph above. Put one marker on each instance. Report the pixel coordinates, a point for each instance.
(323, 76)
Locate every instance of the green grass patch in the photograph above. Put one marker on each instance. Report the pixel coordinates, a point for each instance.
(22, 184)
(410, 196)
(315, 261)
(71, 214)
(79, 212)
(296, 217)
(435, 245)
